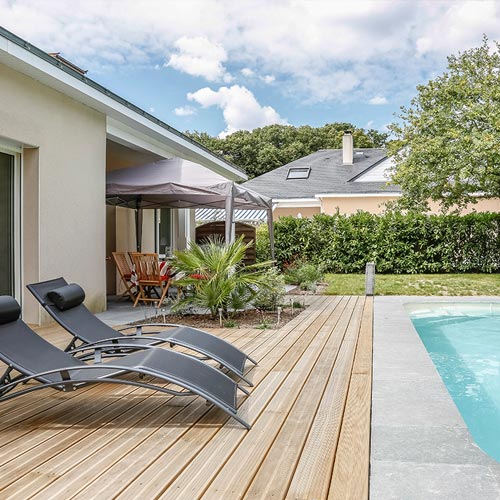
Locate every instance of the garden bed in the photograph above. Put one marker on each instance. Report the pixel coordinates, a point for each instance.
(251, 318)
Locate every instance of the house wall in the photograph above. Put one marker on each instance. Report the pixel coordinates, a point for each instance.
(63, 177)
(375, 205)
(294, 211)
(350, 205)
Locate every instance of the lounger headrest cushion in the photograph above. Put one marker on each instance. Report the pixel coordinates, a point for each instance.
(68, 296)
(10, 310)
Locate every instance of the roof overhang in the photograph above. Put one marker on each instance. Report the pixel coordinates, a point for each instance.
(138, 125)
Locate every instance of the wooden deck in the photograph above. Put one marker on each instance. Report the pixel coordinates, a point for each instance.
(309, 410)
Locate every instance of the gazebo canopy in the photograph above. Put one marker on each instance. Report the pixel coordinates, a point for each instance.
(181, 183)
(177, 183)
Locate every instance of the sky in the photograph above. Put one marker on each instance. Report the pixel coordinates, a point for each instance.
(218, 66)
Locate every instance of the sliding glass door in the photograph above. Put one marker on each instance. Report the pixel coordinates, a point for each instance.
(6, 224)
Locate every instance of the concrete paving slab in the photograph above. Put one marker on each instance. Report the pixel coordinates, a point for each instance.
(416, 481)
(400, 389)
(405, 410)
(421, 444)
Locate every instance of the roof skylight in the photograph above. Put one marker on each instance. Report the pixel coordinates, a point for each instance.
(298, 172)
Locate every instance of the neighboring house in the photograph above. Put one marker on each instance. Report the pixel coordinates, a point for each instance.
(346, 180)
(59, 134)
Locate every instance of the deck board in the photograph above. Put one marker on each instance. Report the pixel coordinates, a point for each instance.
(309, 409)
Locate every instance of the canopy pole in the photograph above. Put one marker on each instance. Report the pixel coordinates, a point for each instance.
(229, 217)
(187, 226)
(270, 227)
(138, 229)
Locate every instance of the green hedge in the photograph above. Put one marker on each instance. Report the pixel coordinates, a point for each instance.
(397, 243)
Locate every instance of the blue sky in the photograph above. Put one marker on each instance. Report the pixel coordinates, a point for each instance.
(224, 65)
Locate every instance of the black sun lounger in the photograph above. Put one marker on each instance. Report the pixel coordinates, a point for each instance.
(65, 304)
(33, 358)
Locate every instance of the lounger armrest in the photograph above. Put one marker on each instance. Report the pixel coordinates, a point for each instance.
(162, 325)
(138, 328)
(115, 343)
(106, 347)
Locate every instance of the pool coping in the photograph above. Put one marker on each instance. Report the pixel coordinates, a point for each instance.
(420, 445)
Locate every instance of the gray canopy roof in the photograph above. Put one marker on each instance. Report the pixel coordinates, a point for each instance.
(181, 183)
(178, 183)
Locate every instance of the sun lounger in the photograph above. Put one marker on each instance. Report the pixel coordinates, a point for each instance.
(65, 304)
(33, 358)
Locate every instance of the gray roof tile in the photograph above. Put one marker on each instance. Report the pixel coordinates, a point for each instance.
(328, 175)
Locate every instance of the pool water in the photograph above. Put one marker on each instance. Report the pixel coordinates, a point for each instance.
(463, 341)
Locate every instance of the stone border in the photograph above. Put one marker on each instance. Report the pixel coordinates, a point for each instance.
(420, 445)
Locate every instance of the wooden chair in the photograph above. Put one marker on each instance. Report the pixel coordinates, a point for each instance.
(149, 276)
(125, 271)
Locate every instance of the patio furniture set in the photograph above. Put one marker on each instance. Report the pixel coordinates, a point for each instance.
(143, 276)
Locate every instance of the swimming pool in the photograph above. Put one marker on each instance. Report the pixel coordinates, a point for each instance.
(463, 340)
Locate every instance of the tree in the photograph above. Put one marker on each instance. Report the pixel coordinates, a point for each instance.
(264, 149)
(447, 146)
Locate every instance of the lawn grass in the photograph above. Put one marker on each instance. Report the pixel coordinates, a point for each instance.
(415, 284)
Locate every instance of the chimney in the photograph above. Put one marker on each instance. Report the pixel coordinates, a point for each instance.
(347, 148)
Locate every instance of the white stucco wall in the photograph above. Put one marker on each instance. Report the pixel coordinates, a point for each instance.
(67, 176)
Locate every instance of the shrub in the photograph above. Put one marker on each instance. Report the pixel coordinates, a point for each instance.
(396, 242)
(304, 275)
(270, 295)
(262, 245)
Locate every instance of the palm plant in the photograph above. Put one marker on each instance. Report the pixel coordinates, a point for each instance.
(215, 272)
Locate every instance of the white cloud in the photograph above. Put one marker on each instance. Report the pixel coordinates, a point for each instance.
(378, 100)
(331, 86)
(342, 51)
(268, 78)
(200, 57)
(152, 110)
(240, 108)
(454, 26)
(369, 124)
(249, 73)
(185, 111)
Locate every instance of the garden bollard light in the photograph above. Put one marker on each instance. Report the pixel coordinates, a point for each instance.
(370, 278)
